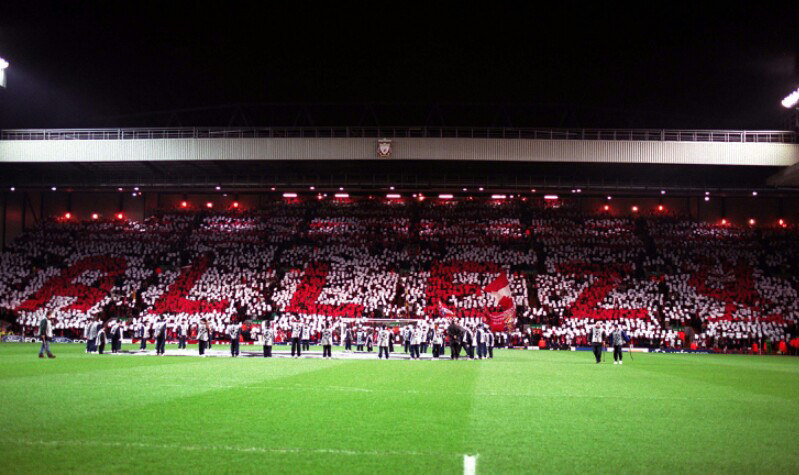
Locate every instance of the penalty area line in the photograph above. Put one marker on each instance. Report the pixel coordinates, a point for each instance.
(470, 464)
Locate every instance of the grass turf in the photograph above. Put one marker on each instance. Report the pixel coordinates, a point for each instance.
(524, 411)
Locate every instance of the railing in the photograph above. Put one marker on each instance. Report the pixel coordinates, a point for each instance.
(646, 135)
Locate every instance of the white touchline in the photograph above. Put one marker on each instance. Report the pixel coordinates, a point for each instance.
(469, 464)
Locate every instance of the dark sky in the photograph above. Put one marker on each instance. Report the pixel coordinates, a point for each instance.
(691, 65)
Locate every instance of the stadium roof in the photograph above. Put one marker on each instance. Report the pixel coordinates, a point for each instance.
(419, 158)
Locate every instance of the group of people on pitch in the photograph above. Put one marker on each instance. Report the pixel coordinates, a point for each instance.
(616, 337)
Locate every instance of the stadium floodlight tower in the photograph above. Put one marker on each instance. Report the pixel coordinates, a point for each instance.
(3, 67)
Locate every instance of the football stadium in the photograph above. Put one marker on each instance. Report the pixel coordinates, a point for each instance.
(182, 290)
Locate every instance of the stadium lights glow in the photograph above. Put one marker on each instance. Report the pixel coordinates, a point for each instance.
(119, 189)
(481, 188)
(133, 194)
(782, 222)
(136, 188)
(465, 189)
(218, 188)
(607, 208)
(95, 215)
(754, 193)
(393, 196)
(53, 188)
(660, 207)
(498, 197)
(68, 215)
(790, 100)
(550, 197)
(342, 195)
(311, 188)
(289, 195)
(273, 188)
(120, 216)
(209, 205)
(579, 190)
(235, 204)
(445, 196)
(707, 193)
(662, 192)
(751, 222)
(724, 222)
(3, 67)
(610, 197)
(184, 204)
(532, 191)
(707, 198)
(13, 189)
(635, 209)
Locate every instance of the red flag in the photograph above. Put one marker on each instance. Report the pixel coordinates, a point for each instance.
(506, 319)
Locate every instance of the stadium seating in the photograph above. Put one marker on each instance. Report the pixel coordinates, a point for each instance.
(667, 280)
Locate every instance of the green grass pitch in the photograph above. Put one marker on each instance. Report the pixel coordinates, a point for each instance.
(525, 411)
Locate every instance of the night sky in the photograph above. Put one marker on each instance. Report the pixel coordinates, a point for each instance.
(675, 65)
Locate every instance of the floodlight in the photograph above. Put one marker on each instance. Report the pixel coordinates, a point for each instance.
(342, 195)
(393, 196)
(3, 67)
(791, 99)
(445, 196)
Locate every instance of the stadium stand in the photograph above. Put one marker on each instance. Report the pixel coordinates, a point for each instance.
(670, 281)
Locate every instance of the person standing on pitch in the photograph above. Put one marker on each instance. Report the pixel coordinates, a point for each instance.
(360, 339)
(142, 330)
(101, 339)
(414, 334)
(86, 331)
(182, 329)
(296, 334)
(618, 338)
(159, 331)
(490, 342)
(479, 337)
(455, 333)
(268, 336)
(203, 335)
(306, 336)
(468, 342)
(597, 338)
(46, 335)
(327, 342)
(438, 341)
(91, 336)
(427, 337)
(234, 332)
(406, 338)
(347, 339)
(116, 336)
(382, 343)
(369, 339)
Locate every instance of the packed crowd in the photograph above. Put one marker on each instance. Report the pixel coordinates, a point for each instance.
(669, 282)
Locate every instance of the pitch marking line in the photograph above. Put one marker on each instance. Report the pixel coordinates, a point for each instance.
(226, 448)
(469, 464)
